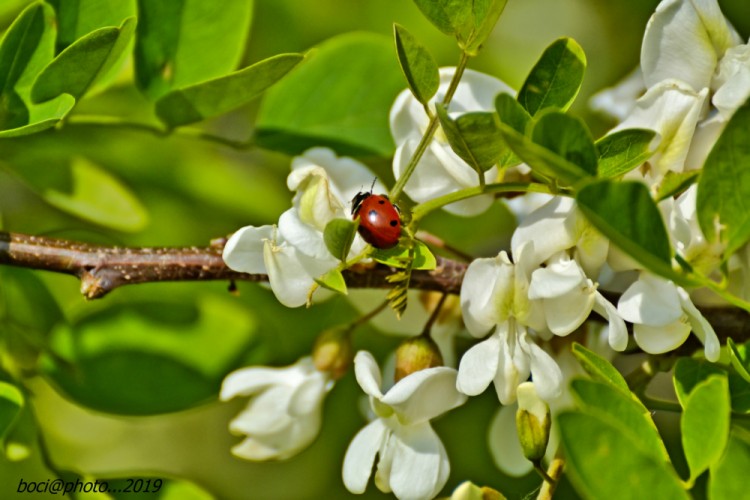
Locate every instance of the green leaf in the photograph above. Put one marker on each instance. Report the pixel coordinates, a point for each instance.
(11, 403)
(724, 185)
(213, 97)
(76, 18)
(545, 163)
(511, 113)
(347, 113)
(689, 372)
(333, 280)
(625, 213)
(705, 424)
(555, 79)
(622, 151)
(95, 195)
(150, 357)
(567, 137)
(27, 47)
(484, 16)
(728, 477)
(339, 235)
(599, 368)
(420, 69)
(740, 358)
(83, 63)
(449, 16)
(601, 398)
(474, 137)
(604, 462)
(183, 42)
(675, 182)
(398, 256)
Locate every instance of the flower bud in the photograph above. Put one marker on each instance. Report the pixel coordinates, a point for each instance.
(333, 352)
(532, 421)
(470, 491)
(416, 354)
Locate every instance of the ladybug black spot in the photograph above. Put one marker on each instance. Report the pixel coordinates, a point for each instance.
(381, 202)
(394, 223)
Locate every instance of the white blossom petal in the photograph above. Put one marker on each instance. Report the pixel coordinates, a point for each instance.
(545, 372)
(662, 338)
(367, 373)
(248, 381)
(487, 293)
(424, 395)
(360, 455)
(479, 365)
(243, 251)
(684, 40)
(732, 81)
(266, 413)
(305, 238)
(618, 332)
(618, 101)
(505, 447)
(650, 300)
(702, 328)
(420, 464)
(309, 394)
(289, 279)
(552, 228)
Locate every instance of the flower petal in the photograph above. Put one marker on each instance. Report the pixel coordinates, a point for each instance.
(309, 394)
(662, 338)
(289, 279)
(504, 445)
(552, 228)
(545, 373)
(478, 366)
(420, 464)
(247, 381)
(243, 251)
(367, 373)
(618, 332)
(702, 328)
(486, 292)
(650, 301)
(684, 40)
(306, 239)
(424, 394)
(361, 455)
(346, 176)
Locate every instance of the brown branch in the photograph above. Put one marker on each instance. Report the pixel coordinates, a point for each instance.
(102, 269)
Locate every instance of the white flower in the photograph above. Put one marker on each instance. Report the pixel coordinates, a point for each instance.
(568, 298)
(663, 316)
(295, 253)
(494, 298)
(440, 171)
(412, 462)
(284, 413)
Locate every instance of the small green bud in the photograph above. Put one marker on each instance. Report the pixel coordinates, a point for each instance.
(532, 421)
(333, 352)
(416, 354)
(470, 491)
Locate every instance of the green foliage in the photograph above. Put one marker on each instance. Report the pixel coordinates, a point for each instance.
(398, 256)
(197, 102)
(77, 18)
(724, 185)
(420, 69)
(555, 79)
(622, 151)
(674, 183)
(625, 213)
(598, 368)
(729, 474)
(605, 461)
(474, 137)
(148, 358)
(705, 423)
(87, 60)
(347, 113)
(567, 137)
(332, 280)
(738, 354)
(176, 47)
(339, 235)
(11, 403)
(484, 16)
(511, 113)
(27, 47)
(449, 16)
(689, 372)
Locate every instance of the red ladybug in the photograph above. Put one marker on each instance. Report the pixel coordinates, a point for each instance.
(379, 219)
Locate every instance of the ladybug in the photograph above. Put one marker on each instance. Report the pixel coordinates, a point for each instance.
(379, 219)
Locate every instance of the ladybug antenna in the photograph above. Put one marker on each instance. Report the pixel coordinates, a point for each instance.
(373, 184)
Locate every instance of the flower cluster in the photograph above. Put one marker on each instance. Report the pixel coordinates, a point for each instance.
(517, 302)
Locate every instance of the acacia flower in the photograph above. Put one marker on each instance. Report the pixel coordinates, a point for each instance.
(412, 462)
(283, 415)
(494, 300)
(441, 171)
(294, 253)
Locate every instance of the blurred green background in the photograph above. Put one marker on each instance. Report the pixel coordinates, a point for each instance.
(129, 382)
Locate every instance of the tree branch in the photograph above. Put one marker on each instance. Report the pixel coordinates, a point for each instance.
(102, 269)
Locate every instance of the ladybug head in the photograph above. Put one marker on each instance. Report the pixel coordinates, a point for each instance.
(362, 196)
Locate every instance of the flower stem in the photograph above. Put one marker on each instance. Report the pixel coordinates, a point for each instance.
(551, 477)
(502, 187)
(720, 291)
(434, 316)
(430, 132)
